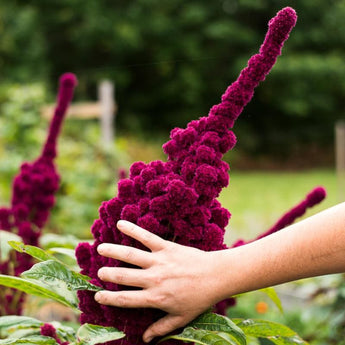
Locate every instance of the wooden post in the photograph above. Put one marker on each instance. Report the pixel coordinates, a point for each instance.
(108, 106)
(340, 158)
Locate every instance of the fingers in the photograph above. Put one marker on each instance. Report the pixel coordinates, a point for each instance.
(124, 299)
(163, 326)
(123, 276)
(147, 238)
(130, 255)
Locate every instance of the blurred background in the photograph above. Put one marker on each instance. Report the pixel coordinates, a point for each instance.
(169, 62)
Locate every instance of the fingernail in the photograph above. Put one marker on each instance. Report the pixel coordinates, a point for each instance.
(121, 223)
(100, 248)
(148, 339)
(97, 296)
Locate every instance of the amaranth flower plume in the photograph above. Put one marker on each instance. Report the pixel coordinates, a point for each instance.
(177, 199)
(33, 190)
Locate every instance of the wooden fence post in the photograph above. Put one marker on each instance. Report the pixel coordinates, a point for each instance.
(340, 158)
(108, 109)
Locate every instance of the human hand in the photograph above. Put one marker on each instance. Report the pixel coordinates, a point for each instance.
(182, 281)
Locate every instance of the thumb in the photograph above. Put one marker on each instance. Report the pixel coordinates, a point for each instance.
(163, 326)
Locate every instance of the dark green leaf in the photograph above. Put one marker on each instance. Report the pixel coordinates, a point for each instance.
(92, 334)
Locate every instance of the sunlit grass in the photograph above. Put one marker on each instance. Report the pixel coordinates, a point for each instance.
(257, 199)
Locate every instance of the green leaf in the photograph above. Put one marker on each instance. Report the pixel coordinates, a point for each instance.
(210, 328)
(275, 332)
(59, 277)
(15, 321)
(218, 323)
(35, 288)
(65, 333)
(5, 248)
(92, 334)
(48, 241)
(33, 251)
(32, 340)
(70, 253)
(272, 294)
(204, 337)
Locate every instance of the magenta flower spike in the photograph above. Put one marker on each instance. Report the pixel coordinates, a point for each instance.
(312, 198)
(33, 192)
(177, 199)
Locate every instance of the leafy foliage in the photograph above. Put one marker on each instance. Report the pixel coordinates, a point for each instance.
(182, 54)
(51, 278)
(85, 335)
(210, 329)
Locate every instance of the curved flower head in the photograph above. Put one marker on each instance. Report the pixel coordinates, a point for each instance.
(177, 199)
(34, 187)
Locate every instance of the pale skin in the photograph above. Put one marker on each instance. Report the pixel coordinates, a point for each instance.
(184, 281)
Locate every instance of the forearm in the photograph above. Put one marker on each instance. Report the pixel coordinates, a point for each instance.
(314, 246)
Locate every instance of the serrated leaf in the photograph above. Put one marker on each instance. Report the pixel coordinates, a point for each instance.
(218, 323)
(33, 251)
(272, 294)
(15, 321)
(5, 248)
(89, 334)
(33, 340)
(35, 288)
(59, 277)
(275, 332)
(204, 337)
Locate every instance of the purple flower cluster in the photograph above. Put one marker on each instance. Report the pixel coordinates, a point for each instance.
(34, 188)
(177, 199)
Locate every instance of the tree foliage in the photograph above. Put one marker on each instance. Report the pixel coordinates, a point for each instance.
(172, 59)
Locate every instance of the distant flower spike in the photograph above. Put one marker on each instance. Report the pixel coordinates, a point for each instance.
(34, 188)
(177, 199)
(313, 198)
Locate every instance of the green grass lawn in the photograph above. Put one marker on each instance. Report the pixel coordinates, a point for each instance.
(256, 200)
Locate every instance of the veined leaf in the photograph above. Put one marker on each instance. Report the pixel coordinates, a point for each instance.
(33, 340)
(36, 288)
(218, 323)
(204, 337)
(59, 277)
(92, 334)
(275, 332)
(5, 248)
(33, 251)
(211, 329)
(272, 294)
(15, 321)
